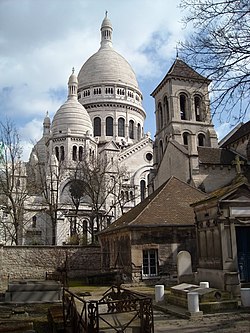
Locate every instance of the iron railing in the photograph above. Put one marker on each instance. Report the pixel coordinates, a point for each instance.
(118, 309)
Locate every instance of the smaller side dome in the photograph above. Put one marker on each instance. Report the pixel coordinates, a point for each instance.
(72, 117)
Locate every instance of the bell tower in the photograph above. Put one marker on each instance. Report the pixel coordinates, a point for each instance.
(182, 111)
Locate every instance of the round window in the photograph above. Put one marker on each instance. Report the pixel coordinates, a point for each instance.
(149, 157)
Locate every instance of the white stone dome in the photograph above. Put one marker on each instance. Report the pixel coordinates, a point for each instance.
(71, 118)
(106, 65)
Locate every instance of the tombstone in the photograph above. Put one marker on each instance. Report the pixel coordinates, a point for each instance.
(27, 291)
(184, 267)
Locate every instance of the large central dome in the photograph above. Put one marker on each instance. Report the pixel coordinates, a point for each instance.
(106, 65)
(109, 91)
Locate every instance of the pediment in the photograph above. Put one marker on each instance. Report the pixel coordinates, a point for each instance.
(241, 194)
(111, 146)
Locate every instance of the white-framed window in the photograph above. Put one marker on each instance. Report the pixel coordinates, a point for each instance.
(150, 263)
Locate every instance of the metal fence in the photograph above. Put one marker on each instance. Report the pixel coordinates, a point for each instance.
(117, 311)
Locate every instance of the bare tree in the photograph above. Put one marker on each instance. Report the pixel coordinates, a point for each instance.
(44, 179)
(97, 182)
(220, 49)
(13, 191)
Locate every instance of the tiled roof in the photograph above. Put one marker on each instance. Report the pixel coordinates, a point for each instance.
(209, 155)
(241, 132)
(181, 70)
(169, 205)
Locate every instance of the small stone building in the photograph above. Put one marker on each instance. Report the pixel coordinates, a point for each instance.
(144, 242)
(223, 233)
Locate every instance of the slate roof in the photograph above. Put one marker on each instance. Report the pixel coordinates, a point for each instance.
(241, 132)
(169, 205)
(209, 155)
(181, 70)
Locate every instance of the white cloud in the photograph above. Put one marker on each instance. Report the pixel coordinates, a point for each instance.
(47, 38)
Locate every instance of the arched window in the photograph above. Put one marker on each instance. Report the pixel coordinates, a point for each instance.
(131, 129)
(109, 126)
(131, 195)
(138, 132)
(160, 116)
(74, 153)
(97, 126)
(166, 109)
(201, 140)
(161, 148)
(80, 153)
(62, 153)
(197, 108)
(183, 106)
(57, 152)
(185, 136)
(34, 221)
(121, 127)
(143, 189)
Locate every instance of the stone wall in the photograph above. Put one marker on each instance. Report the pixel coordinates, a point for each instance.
(32, 262)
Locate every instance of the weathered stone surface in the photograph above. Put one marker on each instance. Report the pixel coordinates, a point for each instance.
(32, 262)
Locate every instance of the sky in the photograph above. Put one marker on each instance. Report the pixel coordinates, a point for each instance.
(42, 40)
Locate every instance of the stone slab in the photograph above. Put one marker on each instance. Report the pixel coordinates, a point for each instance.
(33, 296)
(33, 285)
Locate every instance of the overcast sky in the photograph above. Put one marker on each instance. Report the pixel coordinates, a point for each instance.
(41, 40)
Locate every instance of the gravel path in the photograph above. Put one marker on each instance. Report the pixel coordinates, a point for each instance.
(223, 323)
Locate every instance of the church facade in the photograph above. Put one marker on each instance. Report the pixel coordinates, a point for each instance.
(103, 118)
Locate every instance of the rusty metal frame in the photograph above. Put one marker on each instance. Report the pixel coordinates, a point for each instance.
(117, 300)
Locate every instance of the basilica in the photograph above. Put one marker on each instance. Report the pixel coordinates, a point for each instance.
(102, 119)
